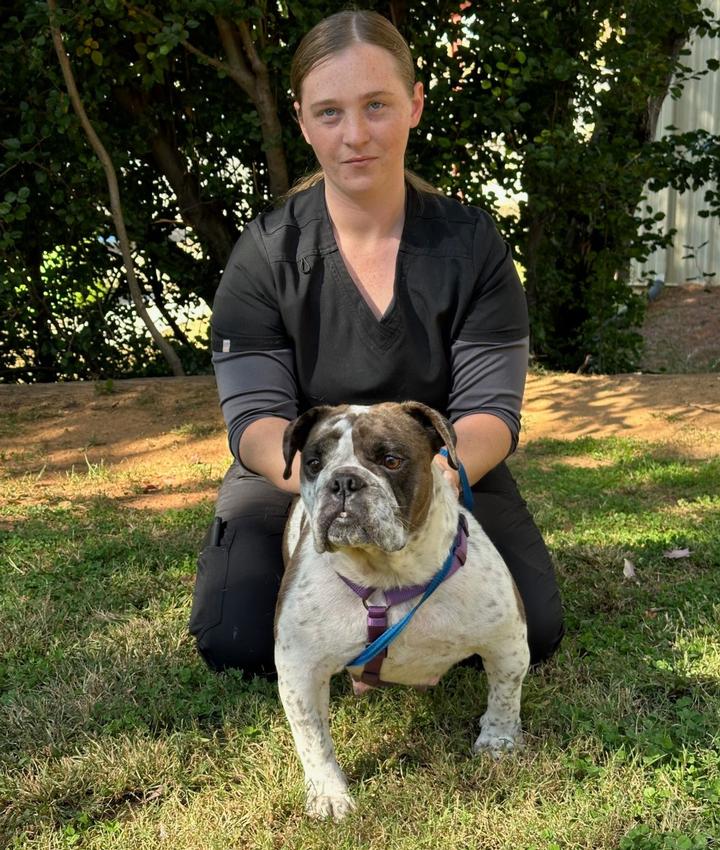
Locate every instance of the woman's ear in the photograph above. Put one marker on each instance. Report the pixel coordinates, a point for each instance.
(417, 103)
(298, 114)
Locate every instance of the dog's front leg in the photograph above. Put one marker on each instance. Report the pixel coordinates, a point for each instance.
(305, 697)
(506, 669)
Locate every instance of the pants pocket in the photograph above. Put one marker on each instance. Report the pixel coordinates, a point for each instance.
(210, 583)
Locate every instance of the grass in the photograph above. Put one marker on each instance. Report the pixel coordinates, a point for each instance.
(115, 735)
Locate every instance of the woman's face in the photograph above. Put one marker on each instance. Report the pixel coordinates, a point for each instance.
(356, 113)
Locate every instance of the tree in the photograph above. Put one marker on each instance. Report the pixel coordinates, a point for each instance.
(560, 100)
(554, 99)
(165, 347)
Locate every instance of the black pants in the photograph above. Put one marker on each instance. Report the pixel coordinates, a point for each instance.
(239, 571)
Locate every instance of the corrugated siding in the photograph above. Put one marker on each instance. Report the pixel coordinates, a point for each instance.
(698, 108)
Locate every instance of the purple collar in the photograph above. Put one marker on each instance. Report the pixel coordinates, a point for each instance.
(377, 614)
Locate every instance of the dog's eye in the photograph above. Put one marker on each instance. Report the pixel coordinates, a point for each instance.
(313, 465)
(392, 462)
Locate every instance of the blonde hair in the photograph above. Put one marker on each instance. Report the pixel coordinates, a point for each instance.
(333, 35)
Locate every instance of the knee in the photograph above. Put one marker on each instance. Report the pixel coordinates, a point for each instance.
(545, 632)
(228, 646)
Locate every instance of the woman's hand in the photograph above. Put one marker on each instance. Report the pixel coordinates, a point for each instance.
(483, 441)
(450, 474)
(261, 451)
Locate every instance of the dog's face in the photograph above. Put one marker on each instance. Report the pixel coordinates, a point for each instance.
(366, 477)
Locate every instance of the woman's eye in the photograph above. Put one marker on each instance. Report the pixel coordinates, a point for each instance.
(330, 112)
(313, 466)
(375, 105)
(392, 462)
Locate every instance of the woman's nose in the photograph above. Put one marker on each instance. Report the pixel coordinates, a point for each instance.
(355, 130)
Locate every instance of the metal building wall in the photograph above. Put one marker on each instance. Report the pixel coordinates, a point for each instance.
(698, 108)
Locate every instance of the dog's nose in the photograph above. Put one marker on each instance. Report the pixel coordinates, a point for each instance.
(345, 482)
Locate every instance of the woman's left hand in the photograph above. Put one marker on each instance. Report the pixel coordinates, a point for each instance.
(450, 474)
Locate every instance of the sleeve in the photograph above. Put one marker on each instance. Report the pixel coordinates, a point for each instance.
(245, 314)
(253, 385)
(253, 357)
(489, 378)
(489, 354)
(498, 308)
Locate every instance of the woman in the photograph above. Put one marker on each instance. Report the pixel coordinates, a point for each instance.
(366, 286)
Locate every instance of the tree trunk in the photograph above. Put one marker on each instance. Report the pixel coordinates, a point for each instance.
(119, 220)
(203, 215)
(155, 281)
(246, 68)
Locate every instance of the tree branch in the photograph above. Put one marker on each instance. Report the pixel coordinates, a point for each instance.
(256, 63)
(228, 40)
(239, 74)
(253, 79)
(118, 219)
(203, 215)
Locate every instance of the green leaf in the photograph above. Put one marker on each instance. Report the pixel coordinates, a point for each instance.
(96, 57)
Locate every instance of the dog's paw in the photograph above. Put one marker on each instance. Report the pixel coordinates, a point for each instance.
(497, 740)
(323, 806)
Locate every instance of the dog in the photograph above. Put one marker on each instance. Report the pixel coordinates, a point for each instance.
(375, 514)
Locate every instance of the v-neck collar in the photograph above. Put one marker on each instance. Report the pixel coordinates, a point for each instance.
(388, 323)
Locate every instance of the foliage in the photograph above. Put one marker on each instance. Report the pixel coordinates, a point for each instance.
(191, 98)
(561, 105)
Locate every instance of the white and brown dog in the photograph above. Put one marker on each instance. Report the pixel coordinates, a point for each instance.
(376, 514)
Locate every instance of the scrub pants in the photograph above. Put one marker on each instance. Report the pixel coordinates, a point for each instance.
(240, 568)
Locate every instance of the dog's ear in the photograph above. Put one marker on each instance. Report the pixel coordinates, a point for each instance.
(296, 435)
(437, 427)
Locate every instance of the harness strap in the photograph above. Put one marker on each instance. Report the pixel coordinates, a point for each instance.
(379, 636)
(377, 623)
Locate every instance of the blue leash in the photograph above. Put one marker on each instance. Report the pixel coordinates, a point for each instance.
(467, 496)
(386, 638)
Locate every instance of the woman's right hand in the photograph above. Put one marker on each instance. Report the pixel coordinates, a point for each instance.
(261, 451)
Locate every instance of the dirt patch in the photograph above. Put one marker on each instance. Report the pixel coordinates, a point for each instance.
(682, 411)
(682, 330)
(160, 443)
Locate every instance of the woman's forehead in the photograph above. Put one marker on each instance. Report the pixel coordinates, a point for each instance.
(359, 70)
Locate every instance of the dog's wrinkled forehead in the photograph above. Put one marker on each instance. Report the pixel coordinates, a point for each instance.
(358, 432)
(332, 434)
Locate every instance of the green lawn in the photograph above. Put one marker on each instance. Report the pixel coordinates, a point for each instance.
(113, 734)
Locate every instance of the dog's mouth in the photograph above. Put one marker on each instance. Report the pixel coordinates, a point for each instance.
(346, 529)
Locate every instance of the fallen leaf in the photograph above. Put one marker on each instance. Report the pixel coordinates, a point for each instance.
(629, 570)
(155, 794)
(149, 488)
(677, 553)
